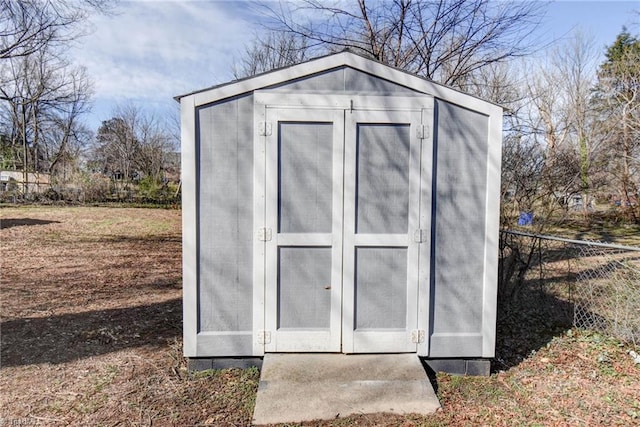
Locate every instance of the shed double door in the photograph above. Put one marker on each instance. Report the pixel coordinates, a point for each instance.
(344, 226)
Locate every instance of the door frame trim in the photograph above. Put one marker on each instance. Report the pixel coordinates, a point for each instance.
(282, 99)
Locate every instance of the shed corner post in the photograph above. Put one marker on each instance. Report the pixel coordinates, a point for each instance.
(492, 231)
(189, 177)
(426, 221)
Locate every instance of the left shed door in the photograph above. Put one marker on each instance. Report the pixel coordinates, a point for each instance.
(303, 210)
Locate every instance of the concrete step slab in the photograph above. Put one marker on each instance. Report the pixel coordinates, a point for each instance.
(305, 387)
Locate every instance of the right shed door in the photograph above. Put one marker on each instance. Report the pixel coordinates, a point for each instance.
(382, 221)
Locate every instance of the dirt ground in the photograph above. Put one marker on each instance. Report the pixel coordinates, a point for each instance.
(91, 335)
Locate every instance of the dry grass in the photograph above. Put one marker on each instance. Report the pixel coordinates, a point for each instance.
(91, 324)
(91, 335)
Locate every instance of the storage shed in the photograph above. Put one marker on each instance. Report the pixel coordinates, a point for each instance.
(339, 205)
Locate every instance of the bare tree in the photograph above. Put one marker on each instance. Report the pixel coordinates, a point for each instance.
(270, 51)
(562, 116)
(618, 103)
(547, 122)
(66, 135)
(443, 40)
(132, 145)
(42, 95)
(27, 26)
(499, 82)
(156, 143)
(43, 98)
(575, 63)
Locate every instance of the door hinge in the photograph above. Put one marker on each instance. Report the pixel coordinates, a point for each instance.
(264, 234)
(420, 235)
(264, 337)
(264, 128)
(417, 336)
(422, 131)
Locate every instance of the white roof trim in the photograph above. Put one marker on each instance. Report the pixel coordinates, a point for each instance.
(349, 59)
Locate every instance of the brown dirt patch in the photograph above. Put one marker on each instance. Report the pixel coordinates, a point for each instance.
(92, 323)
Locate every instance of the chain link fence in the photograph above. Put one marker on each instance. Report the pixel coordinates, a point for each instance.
(596, 285)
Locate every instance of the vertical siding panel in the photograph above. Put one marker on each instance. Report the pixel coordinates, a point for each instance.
(225, 215)
(458, 247)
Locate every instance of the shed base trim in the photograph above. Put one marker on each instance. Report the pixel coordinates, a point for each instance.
(195, 364)
(472, 367)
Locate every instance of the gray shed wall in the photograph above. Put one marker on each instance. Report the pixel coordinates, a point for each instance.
(225, 219)
(458, 231)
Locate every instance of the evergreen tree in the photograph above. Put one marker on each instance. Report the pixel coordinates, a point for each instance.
(618, 100)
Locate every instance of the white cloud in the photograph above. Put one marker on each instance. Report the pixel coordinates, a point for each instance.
(155, 50)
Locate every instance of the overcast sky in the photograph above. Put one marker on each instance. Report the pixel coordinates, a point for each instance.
(152, 50)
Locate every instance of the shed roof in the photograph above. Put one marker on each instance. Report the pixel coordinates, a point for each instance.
(320, 64)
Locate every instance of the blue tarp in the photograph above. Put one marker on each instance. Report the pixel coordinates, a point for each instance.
(526, 218)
